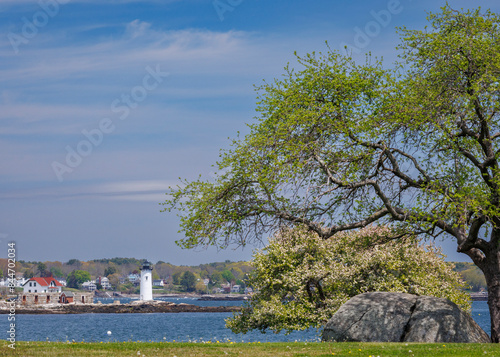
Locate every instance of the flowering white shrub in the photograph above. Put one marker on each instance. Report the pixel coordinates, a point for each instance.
(301, 280)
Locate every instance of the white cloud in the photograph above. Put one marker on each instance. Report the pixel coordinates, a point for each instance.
(29, 113)
(137, 28)
(188, 52)
(144, 190)
(134, 186)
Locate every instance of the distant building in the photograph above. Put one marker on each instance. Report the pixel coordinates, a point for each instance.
(62, 281)
(134, 279)
(104, 282)
(19, 282)
(89, 285)
(248, 290)
(42, 285)
(65, 297)
(158, 282)
(235, 289)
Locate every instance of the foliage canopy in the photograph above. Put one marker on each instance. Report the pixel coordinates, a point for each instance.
(339, 145)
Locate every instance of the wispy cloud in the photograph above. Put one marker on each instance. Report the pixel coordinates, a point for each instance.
(144, 190)
(189, 51)
(137, 28)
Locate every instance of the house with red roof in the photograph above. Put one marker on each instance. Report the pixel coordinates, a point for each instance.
(42, 285)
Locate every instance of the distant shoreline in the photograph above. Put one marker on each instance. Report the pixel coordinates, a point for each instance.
(135, 307)
(204, 297)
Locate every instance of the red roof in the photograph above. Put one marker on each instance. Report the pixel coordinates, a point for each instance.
(45, 281)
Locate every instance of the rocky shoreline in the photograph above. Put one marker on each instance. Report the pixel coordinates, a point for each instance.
(135, 307)
(224, 298)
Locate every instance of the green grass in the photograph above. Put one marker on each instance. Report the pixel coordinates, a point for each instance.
(258, 349)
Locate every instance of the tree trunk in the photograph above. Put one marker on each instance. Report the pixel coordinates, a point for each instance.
(492, 275)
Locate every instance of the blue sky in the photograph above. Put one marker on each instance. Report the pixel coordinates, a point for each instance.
(156, 88)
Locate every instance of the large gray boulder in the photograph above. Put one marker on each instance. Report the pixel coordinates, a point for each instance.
(398, 317)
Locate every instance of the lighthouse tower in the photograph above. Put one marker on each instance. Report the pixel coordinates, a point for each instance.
(146, 281)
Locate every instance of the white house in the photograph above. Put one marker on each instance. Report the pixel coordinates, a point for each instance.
(104, 282)
(62, 281)
(89, 285)
(42, 285)
(158, 282)
(235, 289)
(20, 282)
(133, 278)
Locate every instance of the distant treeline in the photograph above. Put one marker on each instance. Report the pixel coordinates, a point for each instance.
(472, 275)
(122, 267)
(218, 272)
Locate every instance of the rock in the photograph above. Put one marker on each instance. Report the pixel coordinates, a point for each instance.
(144, 307)
(399, 317)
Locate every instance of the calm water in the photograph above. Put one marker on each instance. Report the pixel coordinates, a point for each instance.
(159, 327)
(175, 300)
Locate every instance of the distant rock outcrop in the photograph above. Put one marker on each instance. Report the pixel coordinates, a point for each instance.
(398, 317)
(134, 307)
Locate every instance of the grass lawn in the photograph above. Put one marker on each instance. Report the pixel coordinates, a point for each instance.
(180, 349)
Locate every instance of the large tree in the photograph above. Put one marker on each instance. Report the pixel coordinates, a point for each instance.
(339, 145)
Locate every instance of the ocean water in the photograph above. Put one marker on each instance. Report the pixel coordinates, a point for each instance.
(196, 327)
(177, 300)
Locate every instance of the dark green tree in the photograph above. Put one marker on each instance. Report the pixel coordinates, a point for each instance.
(41, 268)
(188, 281)
(176, 278)
(76, 278)
(339, 146)
(109, 270)
(56, 271)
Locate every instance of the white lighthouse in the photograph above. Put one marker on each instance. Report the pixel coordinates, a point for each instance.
(146, 281)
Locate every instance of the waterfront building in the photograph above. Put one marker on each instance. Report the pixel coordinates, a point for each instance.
(89, 285)
(39, 285)
(104, 281)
